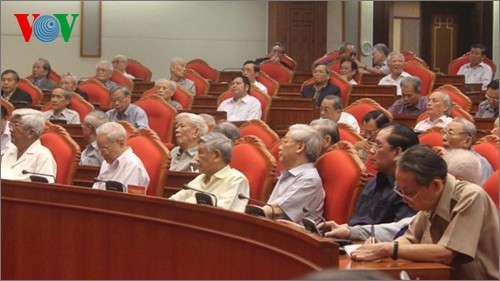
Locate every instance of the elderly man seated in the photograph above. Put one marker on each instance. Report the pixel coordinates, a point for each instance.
(379, 59)
(189, 128)
(489, 107)
(331, 108)
(69, 82)
(124, 110)
(40, 74)
(396, 61)
(348, 69)
(10, 91)
(166, 89)
(251, 70)
(60, 100)
(93, 120)
(275, 55)
(5, 139)
(120, 63)
(27, 154)
(217, 177)
(321, 87)
(103, 73)
(329, 132)
(121, 164)
(439, 110)
(411, 103)
(177, 72)
(476, 71)
(242, 106)
(373, 121)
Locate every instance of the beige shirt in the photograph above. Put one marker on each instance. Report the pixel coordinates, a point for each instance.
(67, 114)
(465, 221)
(426, 124)
(184, 160)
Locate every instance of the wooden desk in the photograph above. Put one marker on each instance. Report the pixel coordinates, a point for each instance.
(408, 121)
(371, 79)
(483, 126)
(141, 86)
(385, 95)
(54, 231)
(455, 80)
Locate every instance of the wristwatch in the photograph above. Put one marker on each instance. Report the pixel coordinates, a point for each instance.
(395, 250)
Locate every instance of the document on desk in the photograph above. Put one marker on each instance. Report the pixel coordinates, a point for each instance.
(350, 248)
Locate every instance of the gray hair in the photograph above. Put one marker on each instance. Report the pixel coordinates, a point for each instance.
(209, 119)
(113, 131)
(228, 129)
(195, 120)
(30, 119)
(344, 46)
(121, 58)
(382, 47)
(463, 164)
(310, 137)
(45, 65)
(337, 101)
(327, 127)
(175, 61)
(415, 81)
(468, 126)
(393, 54)
(66, 93)
(424, 162)
(171, 84)
(125, 90)
(217, 141)
(447, 101)
(107, 63)
(96, 118)
(73, 76)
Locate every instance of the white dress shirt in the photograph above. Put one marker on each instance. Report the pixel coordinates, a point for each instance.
(261, 87)
(246, 108)
(388, 80)
(67, 114)
(350, 120)
(5, 139)
(480, 73)
(426, 124)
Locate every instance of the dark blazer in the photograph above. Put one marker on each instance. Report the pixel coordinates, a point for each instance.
(45, 84)
(19, 95)
(329, 89)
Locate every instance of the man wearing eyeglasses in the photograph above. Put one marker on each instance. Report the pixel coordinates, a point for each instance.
(103, 73)
(120, 63)
(457, 222)
(124, 110)
(489, 107)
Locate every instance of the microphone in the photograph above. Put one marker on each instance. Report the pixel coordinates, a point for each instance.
(38, 177)
(203, 197)
(311, 225)
(255, 210)
(112, 185)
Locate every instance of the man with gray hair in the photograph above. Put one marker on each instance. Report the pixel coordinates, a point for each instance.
(379, 59)
(123, 109)
(396, 61)
(329, 132)
(411, 103)
(121, 164)
(189, 128)
(40, 75)
(27, 154)
(90, 155)
(103, 73)
(177, 72)
(331, 108)
(322, 86)
(60, 99)
(217, 177)
(166, 89)
(439, 109)
(69, 82)
(228, 129)
(300, 184)
(120, 63)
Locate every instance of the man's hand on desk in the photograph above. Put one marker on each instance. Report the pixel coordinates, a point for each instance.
(335, 230)
(371, 252)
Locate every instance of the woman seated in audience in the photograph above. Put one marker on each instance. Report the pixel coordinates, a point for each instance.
(166, 88)
(438, 109)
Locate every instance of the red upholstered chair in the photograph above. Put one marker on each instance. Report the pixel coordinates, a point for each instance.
(98, 93)
(121, 79)
(77, 104)
(201, 84)
(277, 71)
(251, 157)
(491, 187)
(265, 100)
(455, 64)
(348, 134)
(362, 106)
(288, 60)
(456, 96)
(410, 56)
(428, 77)
(275, 149)
(333, 55)
(456, 111)
(343, 176)
(160, 116)
(65, 150)
(204, 70)
(8, 106)
(28, 87)
(261, 130)
(138, 70)
(271, 84)
(129, 128)
(432, 137)
(488, 148)
(335, 67)
(181, 96)
(154, 156)
(335, 79)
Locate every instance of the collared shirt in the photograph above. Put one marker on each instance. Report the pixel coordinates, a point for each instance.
(128, 75)
(127, 169)
(353, 82)
(91, 156)
(184, 160)
(486, 111)
(110, 84)
(388, 80)
(71, 116)
(226, 184)
(384, 67)
(464, 221)
(187, 85)
(384, 232)
(6, 139)
(350, 120)
(400, 108)
(174, 103)
(133, 114)
(37, 159)
(297, 188)
(310, 91)
(486, 169)
(246, 108)
(261, 87)
(44, 84)
(426, 124)
(480, 73)
(378, 203)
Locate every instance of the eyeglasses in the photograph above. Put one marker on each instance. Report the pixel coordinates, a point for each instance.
(118, 61)
(15, 124)
(491, 98)
(118, 99)
(371, 132)
(407, 197)
(445, 132)
(377, 146)
(101, 69)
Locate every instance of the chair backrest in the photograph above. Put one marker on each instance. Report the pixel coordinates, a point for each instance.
(138, 70)
(261, 130)
(335, 67)
(181, 96)
(491, 187)
(456, 96)
(343, 176)
(77, 104)
(201, 84)
(456, 111)
(274, 150)
(53, 75)
(277, 71)
(28, 87)
(98, 93)
(204, 69)
(455, 64)
(410, 56)
(432, 137)
(271, 84)
(288, 60)
(335, 79)
(333, 55)
(265, 100)
(251, 158)
(129, 128)
(154, 156)
(362, 106)
(8, 106)
(160, 115)
(428, 77)
(64, 149)
(348, 134)
(121, 79)
(487, 147)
